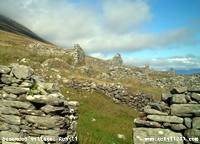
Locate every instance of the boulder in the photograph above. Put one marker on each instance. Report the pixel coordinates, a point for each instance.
(32, 112)
(10, 119)
(6, 79)
(196, 123)
(177, 127)
(195, 96)
(168, 119)
(45, 99)
(166, 97)
(16, 104)
(47, 86)
(50, 132)
(8, 134)
(188, 122)
(143, 123)
(194, 88)
(179, 90)
(193, 134)
(22, 71)
(4, 69)
(155, 136)
(154, 112)
(15, 128)
(47, 121)
(9, 110)
(15, 90)
(4, 126)
(185, 110)
(159, 107)
(27, 84)
(179, 99)
(51, 109)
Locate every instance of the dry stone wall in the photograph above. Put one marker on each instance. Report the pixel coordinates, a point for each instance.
(115, 61)
(176, 119)
(32, 111)
(76, 53)
(117, 92)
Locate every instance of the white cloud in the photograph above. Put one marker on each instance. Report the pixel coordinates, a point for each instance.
(65, 23)
(121, 15)
(184, 63)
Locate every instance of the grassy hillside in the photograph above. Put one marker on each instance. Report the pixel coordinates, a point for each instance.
(100, 120)
(9, 25)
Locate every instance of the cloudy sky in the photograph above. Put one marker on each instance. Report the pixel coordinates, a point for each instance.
(162, 33)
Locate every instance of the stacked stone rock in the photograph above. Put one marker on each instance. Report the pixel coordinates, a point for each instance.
(176, 116)
(117, 92)
(32, 111)
(115, 61)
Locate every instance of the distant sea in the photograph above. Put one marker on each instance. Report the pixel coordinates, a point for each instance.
(187, 72)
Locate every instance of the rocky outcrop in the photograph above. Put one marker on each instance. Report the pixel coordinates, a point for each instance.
(176, 119)
(117, 92)
(32, 111)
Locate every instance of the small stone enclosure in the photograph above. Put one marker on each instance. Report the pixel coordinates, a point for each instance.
(176, 119)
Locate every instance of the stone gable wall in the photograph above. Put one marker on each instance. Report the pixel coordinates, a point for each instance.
(32, 111)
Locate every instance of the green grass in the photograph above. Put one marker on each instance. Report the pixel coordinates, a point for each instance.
(158, 76)
(111, 119)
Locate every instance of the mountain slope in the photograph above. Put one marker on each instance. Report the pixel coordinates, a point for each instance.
(9, 25)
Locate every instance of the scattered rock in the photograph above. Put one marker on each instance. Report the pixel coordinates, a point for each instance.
(121, 136)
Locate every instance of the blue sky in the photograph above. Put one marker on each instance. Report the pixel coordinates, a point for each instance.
(162, 33)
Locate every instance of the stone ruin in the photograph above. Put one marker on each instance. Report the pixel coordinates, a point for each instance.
(115, 61)
(32, 111)
(78, 54)
(176, 119)
(41, 49)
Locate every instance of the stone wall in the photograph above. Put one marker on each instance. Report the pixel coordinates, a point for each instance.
(115, 61)
(176, 119)
(32, 111)
(117, 92)
(41, 49)
(78, 54)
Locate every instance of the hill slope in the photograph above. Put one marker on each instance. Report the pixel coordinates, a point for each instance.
(12, 26)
